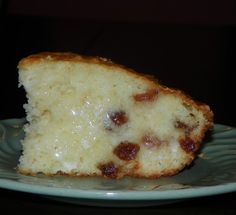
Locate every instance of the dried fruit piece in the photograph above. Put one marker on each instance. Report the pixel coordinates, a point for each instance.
(148, 96)
(187, 106)
(187, 144)
(109, 170)
(180, 124)
(126, 151)
(187, 128)
(118, 118)
(150, 141)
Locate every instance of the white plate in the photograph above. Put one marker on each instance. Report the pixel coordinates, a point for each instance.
(214, 172)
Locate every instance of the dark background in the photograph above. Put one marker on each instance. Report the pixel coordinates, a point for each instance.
(188, 45)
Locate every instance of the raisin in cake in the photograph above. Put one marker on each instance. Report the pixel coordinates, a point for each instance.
(90, 117)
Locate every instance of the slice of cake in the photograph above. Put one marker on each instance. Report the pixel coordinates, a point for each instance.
(90, 117)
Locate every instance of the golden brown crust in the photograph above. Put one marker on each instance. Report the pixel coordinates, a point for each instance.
(131, 173)
(72, 57)
(62, 56)
(30, 173)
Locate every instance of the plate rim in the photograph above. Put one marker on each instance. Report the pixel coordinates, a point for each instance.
(119, 195)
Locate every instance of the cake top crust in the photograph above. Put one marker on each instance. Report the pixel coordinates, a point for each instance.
(63, 56)
(76, 58)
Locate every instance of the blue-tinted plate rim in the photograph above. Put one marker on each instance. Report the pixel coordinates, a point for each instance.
(120, 195)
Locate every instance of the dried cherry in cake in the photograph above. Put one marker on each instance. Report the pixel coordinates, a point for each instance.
(181, 125)
(126, 151)
(118, 118)
(187, 144)
(150, 140)
(148, 96)
(109, 170)
(185, 127)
